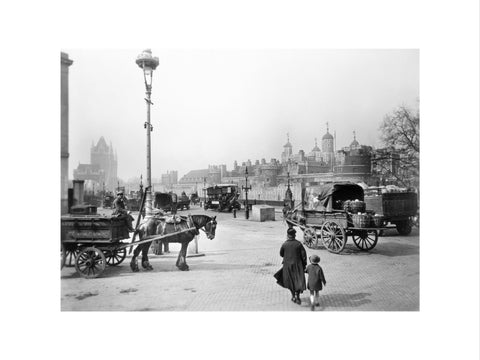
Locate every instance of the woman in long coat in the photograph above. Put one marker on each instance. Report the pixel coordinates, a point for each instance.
(294, 263)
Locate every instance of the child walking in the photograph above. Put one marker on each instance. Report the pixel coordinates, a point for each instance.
(316, 279)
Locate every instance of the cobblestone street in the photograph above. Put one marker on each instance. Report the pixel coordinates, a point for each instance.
(234, 272)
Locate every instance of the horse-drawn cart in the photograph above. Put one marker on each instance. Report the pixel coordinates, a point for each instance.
(92, 242)
(332, 212)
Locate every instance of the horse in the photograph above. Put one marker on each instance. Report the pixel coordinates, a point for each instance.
(162, 226)
(194, 198)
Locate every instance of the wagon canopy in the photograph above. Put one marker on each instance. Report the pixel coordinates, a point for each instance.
(163, 200)
(330, 197)
(221, 189)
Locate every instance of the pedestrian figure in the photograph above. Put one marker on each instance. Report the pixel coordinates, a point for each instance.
(291, 276)
(174, 203)
(316, 279)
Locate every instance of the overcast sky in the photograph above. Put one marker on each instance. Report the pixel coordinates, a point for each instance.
(217, 106)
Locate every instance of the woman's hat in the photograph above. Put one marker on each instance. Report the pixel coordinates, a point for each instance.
(291, 232)
(120, 192)
(314, 259)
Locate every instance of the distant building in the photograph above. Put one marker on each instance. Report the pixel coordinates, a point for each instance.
(287, 151)
(328, 151)
(316, 153)
(102, 168)
(352, 163)
(170, 178)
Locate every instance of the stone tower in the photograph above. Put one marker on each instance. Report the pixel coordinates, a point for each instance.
(103, 156)
(355, 144)
(287, 150)
(328, 148)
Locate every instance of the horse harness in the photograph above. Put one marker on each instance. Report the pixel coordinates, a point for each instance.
(192, 224)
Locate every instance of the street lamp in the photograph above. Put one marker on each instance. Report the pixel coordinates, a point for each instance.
(204, 191)
(148, 63)
(246, 188)
(288, 201)
(141, 185)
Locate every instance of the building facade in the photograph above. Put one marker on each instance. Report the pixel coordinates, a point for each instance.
(170, 178)
(102, 170)
(355, 163)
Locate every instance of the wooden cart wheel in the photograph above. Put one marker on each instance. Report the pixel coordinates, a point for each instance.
(310, 237)
(63, 256)
(90, 262)
(365, 240)
(333, 237)
(115, 257)
(70, 255)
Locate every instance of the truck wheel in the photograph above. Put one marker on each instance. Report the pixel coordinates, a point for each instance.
(404, 227)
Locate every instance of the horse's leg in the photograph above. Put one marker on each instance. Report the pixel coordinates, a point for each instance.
(133, 262)
(145, 263)
(157, 247)
(181, 261)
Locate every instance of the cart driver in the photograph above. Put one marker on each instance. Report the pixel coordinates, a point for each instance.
(120, 209)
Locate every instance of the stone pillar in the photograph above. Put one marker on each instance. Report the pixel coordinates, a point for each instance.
(78, 192)
(65, 62)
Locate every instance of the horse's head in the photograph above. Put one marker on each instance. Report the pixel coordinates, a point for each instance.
(210, 227)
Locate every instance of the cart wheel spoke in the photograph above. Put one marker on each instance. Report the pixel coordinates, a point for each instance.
(90, 263)
(63, 256)
(333, 237)
(310, 237)
(115, 257)
(365, 240)
(70, 255)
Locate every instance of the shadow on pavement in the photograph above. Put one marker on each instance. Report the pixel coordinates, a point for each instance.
(343, 300)
(393, 249)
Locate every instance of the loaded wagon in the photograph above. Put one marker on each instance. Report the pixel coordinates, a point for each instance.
(183, 201)
(91, 241)
(397, 207)
(134, 200)
(332, 212)
(108, 201)
(194, 198)
(170, 202)
(222, 197)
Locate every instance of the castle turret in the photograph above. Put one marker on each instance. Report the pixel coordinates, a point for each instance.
(328, 148)
(287, 150)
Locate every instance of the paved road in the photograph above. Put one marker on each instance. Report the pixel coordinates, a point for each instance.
(235, 274)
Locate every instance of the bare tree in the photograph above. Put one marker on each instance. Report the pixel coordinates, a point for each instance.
(400, 133)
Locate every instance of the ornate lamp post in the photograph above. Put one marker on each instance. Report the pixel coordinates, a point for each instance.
(246, 188)
(288, 202)
(148, 63)
(141, 187)
(204, 191)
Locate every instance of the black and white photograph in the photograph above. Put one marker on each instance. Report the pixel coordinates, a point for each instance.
(190, 177)
(241, 180)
